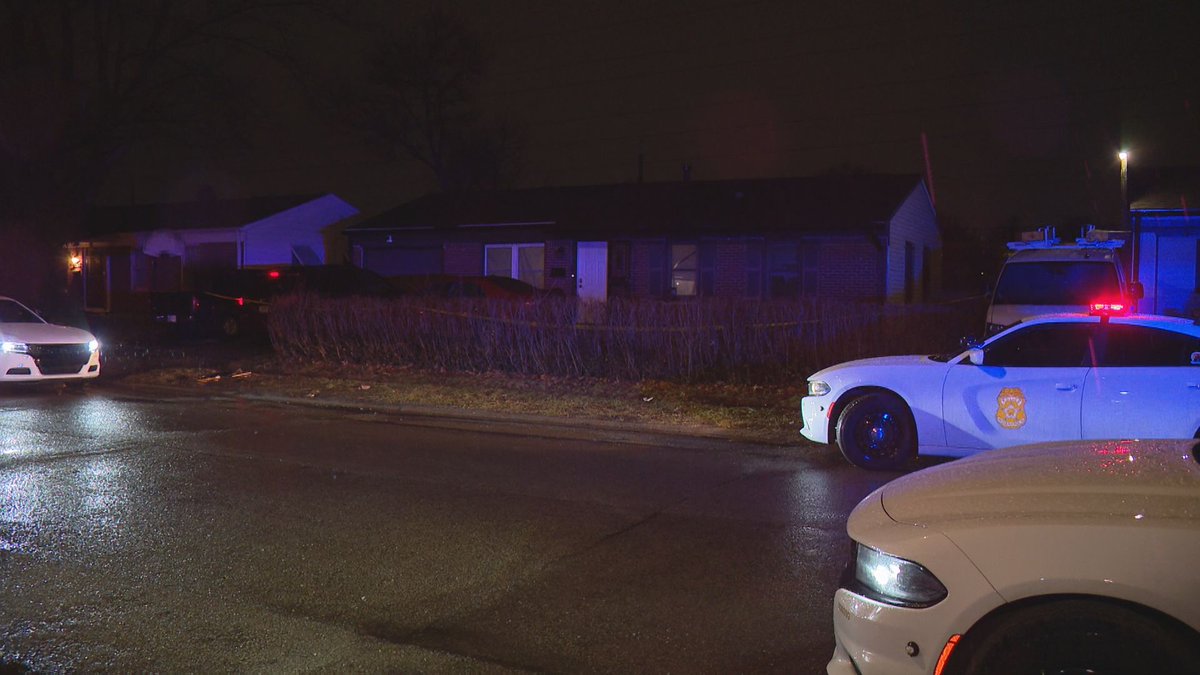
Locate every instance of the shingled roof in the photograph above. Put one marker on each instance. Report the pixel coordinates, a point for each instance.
(847, 203)
(200, 214)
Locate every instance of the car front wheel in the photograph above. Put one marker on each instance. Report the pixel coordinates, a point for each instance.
(1082, 635)
(876, 432)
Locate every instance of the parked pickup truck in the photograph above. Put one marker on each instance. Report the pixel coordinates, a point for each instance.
(238, 302)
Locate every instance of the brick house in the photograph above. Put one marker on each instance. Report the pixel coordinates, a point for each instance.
(871, 237)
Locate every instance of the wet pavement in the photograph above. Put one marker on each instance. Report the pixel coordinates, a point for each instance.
(170, 533)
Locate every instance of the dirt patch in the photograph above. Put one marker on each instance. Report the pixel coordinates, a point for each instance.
(769, 414)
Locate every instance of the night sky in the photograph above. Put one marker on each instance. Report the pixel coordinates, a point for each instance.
(1017, 109)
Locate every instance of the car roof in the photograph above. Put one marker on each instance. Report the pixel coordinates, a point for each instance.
(1173, 323)
(1063, 254)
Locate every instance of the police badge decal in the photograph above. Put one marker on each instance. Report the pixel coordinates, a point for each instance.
(1010, 412)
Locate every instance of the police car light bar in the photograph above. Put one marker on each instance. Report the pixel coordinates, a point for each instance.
(1105, 309)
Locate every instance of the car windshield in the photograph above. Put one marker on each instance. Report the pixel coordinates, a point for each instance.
(1075, 282)
(12, 311)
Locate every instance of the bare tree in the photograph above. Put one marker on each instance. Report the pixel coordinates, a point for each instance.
(82, 83)
(415, 99)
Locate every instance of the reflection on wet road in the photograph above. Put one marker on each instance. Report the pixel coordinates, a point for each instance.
(188, 534)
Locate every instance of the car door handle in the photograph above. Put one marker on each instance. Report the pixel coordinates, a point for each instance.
(1066, 387)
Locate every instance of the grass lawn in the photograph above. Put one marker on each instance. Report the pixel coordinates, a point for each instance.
(769, 414)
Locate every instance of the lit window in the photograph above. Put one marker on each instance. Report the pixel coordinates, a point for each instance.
(684, 261)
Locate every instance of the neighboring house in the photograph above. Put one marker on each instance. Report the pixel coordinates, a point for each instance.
(129, 251)
(851, 236)
(1165, 210)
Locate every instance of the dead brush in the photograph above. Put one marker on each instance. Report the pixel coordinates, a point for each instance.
(704, 339)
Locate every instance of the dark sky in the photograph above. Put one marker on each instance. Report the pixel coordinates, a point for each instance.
(1022, 105)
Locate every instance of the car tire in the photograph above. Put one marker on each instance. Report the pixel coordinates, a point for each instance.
(876, 432)
(1080, 635)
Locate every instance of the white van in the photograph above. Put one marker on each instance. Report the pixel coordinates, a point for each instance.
(1045, 276)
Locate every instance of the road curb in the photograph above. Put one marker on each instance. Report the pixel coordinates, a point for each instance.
(470, 419)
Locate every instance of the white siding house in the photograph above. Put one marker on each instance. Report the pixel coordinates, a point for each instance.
(294, 236)
(1166, 220)
(913, 246)
(128, 251)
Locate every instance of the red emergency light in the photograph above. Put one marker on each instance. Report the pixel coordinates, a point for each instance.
(1107, 308)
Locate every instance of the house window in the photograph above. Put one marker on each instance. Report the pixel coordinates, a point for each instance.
(684, 268)
(526, 262)
(754, 263)
(783, 276)
(926, 273)
(910, 266)
(793, 268)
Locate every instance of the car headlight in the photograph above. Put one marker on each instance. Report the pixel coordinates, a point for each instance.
(895, 581)
(93, 346)
(14, 348)
(816, 388)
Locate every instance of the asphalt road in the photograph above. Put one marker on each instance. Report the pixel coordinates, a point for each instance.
(182, 534)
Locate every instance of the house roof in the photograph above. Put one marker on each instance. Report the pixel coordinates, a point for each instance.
(200, 214)
(1175, 188)
(820, 203)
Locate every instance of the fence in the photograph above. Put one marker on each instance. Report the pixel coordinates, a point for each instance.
(731, 339)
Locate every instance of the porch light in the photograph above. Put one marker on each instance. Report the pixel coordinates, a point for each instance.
(75, 263)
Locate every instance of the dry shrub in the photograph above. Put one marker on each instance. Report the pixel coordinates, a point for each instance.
(715, 338)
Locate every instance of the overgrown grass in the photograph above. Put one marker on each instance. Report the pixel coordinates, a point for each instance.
(707, 340)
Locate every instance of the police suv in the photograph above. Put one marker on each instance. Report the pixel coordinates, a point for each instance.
(1044, 275)
(1060, 377)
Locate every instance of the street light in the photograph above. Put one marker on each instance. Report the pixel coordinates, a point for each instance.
(1124, 156)
(1135, 264)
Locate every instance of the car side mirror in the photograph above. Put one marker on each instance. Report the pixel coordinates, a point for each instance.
(1136, 290)
(975, 355)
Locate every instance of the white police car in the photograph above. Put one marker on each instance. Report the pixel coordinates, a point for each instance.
(33, 350)
(1051, 378)
(1072, 557)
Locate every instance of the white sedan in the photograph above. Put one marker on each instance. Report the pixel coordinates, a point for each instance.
(1052, 378)
(1051, 558)
(32, 350)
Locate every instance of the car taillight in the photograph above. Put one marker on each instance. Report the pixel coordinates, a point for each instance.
(273, 274)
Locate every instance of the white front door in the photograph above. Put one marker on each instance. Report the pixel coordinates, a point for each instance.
(591, 270)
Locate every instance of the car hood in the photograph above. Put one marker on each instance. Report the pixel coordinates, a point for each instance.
(1085, 480)
(907, 360)
(43, 333)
